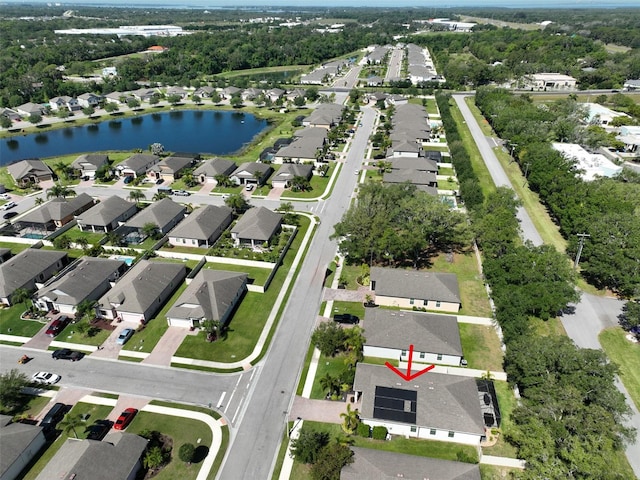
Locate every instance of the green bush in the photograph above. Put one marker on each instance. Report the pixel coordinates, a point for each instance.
(363, 430)
(186, 452)
(379, 433)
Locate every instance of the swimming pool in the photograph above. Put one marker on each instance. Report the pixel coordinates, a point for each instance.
(122, 258)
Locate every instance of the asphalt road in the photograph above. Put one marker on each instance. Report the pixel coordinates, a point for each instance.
(592, 314)
(255, 443)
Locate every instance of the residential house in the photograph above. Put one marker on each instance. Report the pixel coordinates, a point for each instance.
(204, 92)
(590, 166)
(29, 171)
(377, 54)
(375, 97)
(137, 165)
(87, 100)
(202, 227)
(179, 91)
(145, 94)
(396, 100)
(54, 214)
(288, 171)
(88, 279)
(326, 115)
(549, 81)
(140, 294)
(383, 465)
(117, 457)
(303, 149)
(424, 181)
(10, 114)
(250, 94)
(230, 91)
(315, 77)
(432, 406)
(421, 164)
(106, 215)
(251, 173)
(631, 85)
(119, 98)
(170, 168)
(397, 287)
(435, 338)
(404, 149)
(211, 295)
(274, 94)
(374, 81)
(600, 115)
(295, 93)
(64, 103)
(88, 164)
(27, 109)
(210, 169)
(29, 270)
(21, 442)
(256, 227)
(165, 214)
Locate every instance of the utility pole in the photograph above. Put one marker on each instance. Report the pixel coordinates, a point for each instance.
(513, 147)
(526, 171)
(581, 235)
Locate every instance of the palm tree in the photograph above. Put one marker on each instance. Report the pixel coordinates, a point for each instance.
(150, 229)
(329, 383)
(136, 196)
(20, 295)
(350, 420)
(158, 196)
(223, 180)
(82, 242)
(85, 308)
(213, 329)
(60, 191)
(39, 200)
(70, 422)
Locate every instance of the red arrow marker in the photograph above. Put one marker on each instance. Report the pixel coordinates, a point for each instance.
(408, 376)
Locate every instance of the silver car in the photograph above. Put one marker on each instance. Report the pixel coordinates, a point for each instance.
(124, 336)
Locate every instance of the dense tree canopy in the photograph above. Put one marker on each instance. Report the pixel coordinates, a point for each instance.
(398, 223)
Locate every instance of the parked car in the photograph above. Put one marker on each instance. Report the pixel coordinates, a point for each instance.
(4, 196)
(57, 326)
(9, 215)
(45, 377)
(249, 187)
(128, 179)
(53, 416)
(124, 336)
(9, 205)
(98, 430)
(159, 181)
(67, 354)
(125, 418)
(346, 318)
(181, 193)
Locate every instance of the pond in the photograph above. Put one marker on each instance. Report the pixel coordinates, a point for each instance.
(202, 131)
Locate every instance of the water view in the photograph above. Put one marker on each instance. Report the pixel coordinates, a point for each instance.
(203, 131)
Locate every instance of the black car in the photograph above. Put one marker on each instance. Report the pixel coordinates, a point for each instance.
(346, 318)
(67, 354)
(9, 215)
(159, 181)
(98, 430)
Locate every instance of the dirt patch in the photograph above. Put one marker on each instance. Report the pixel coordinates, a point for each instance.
(102, 324)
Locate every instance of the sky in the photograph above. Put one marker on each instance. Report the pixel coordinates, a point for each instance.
(342, 3)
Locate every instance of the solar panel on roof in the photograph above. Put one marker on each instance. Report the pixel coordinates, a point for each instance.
(395, 404)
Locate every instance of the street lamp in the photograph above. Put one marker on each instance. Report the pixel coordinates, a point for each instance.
(581, 235)
(298, 420)
(526, 172)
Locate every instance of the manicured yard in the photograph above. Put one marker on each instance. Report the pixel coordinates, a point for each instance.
(75, 233)
(69, 334)
(318, 186)
(249, 319)
(181, 430)
(409, 446)
(258, 275)
(333, 366)
(12, 324)
(32, 406)
(626, 355)
(506, 403)
(354, 308)
(14, 247)
(481, 346)
(146, 340)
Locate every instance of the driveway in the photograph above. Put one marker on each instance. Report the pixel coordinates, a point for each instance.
(326, 411)
(167, 346)
(109, 348)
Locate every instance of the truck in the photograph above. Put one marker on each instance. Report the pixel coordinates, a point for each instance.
(346, 318)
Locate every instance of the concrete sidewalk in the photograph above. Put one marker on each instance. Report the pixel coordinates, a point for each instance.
(502, 462)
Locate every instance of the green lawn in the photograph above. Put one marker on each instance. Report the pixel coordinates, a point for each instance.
(75, 233)
(69, 334)
(14, 247)
(12, 324)
(481, 346)
(31, 406)
(249, 319)
(354, 308)
(258, 275)
(334, 366)
(473, 294)
(146, 340)
(181, 430)
(318, 186)
(409, 446)
(506, 403)
(627, 356)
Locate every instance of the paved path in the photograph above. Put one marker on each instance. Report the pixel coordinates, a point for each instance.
(167, 345)
(502, 461)
(343, 295)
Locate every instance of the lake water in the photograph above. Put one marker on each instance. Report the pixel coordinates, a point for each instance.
(201, 131)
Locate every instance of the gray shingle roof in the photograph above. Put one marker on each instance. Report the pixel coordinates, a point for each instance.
(248, 169)
(210, 295)
(215, 166)
(447, 402)
(141, 286)
(289, 170)
(382, 465)
(416, 177)
(413, 163)
(15, 438)
(83, 281)
(18, 271)
(21, 169)
(304, 147)
(258, 224)
(426, 332)
(94, 159)
(139, 161)
(203, 222)
(172, 164)
(396, 282)
(106, 212)
(160, 213)
(57, 209)
(110, 459)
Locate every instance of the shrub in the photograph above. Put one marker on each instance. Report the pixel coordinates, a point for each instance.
(186, 452)
(363, 430)
(379, 433)
(307, 447)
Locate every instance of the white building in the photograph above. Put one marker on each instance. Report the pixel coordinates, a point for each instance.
(592, 165)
